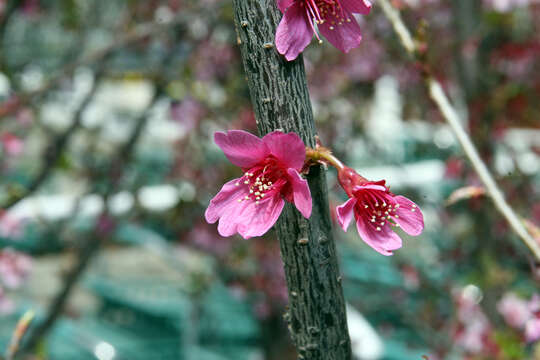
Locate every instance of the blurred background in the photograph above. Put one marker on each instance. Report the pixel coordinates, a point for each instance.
(107, 112)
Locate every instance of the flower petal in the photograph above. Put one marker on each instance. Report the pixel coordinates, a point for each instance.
(532, 330)
(301, 193)
(410, 217)
(345, 213)
(283, 5)
(241, 148)
(294, 32)
(257, 219)
(344, 36)
(226, 198)
(357, 6)
(383, 241)
(370, 186)
(288, 148)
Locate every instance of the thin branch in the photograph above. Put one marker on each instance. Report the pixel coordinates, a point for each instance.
(55, 149)
(452, 118)
(399, 27)
(91, 243)
(18, 334)
(140, 32)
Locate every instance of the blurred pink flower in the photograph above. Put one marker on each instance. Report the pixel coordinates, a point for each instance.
(534, 304)
(11, 144)
(188, 112)
(212, 60)
(14, 268)
(31, 7)
(514, 310)
(532, 330)
(10, 226)
(521, 314)
(204, 238)
(376, 211)
(333, 18)
(474, 330)
(251, 204)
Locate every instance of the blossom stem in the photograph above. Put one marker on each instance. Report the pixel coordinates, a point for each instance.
(323, 155)
(452, 118)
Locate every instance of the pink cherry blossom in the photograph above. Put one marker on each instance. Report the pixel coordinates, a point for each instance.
(521, 314)
(14, 268)
(10, 226)
(251, 204)
(333, 18)
(473, 329)
(11, 144)
(532, 330)
(377, 211)
(514, 310)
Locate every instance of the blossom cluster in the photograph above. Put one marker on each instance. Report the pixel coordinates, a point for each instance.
(272, 166)
(473, 330)
(522, 315)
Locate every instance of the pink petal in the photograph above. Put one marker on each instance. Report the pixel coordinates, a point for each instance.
(532, 330)
(294, 32)
(301, 193)
(534, 303)
(245, 217)
(383, 241)
(357, 6)
(410, 217)
(345, 36)
(226, 198)
(288, 148)
(241, 148)
(257, 219)
(370, 187)
(345, 213)
(283, 5)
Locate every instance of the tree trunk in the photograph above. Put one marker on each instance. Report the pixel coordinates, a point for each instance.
(316, 316)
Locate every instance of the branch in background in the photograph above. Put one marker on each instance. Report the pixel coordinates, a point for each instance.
(20, 331)
(11, 6)
(103, 228)
(452, 118)
(140, 32)
(55, 149)
(316, 317)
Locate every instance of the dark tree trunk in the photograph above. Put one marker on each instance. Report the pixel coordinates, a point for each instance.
(316, 316)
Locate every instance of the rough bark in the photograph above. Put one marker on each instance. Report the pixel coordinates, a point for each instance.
(316, 316)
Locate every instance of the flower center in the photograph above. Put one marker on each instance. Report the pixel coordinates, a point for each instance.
(377, 208)
(320, 11)
(263, 180)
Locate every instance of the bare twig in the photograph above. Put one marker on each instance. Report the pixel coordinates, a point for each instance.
(452, 118)
(20, 331)
(55, 149)
(140, 32)
(91, 244)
